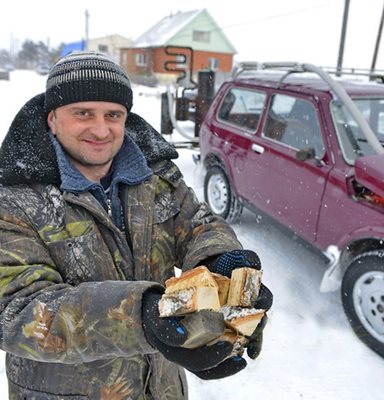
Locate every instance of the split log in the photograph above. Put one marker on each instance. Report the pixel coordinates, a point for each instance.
(203, 327)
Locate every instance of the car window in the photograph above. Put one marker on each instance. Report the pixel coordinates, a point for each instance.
(373, 111)
(294, 122)
(242, 107)
(352, 141)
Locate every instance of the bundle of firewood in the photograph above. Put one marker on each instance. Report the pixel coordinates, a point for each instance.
(214, 307)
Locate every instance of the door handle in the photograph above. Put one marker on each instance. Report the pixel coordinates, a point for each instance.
(257, 149)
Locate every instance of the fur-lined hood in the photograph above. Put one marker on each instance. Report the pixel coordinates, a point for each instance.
(27, 154)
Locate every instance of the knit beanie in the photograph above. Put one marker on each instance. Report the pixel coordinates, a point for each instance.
(87, 76)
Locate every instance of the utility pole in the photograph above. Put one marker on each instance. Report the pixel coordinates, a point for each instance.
(373, 65)
(342, 38)
(86, 29)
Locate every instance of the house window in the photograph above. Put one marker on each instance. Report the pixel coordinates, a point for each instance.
(141, 59)
(201, 36)
(213, 64)
(103, 48)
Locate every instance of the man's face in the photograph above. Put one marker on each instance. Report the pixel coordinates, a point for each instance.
(91, 133)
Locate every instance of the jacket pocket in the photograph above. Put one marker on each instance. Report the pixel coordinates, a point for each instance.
(166, 206)
(82, 258)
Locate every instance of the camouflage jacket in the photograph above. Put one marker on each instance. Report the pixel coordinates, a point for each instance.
(71, 285)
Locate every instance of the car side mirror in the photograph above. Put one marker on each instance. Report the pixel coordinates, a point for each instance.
(308, 153)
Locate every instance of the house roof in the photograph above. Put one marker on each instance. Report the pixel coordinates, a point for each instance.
(168, 28)
(113, 37)
(165, 29)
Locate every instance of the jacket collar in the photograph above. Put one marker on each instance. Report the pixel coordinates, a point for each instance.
(129, 167)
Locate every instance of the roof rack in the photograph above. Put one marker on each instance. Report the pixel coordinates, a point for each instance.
(338, 91)
(257, 66)
(373, 75)
(293, 67)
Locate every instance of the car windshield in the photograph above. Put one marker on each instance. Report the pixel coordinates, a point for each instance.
(352, 141)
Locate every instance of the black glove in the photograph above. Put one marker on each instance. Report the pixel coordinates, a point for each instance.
(224, 265)
(167, 335)
(227, 262)
(255, 341)
(228, 367)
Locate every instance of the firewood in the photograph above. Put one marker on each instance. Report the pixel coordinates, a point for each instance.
(244, 287)
(189, 300)
(242, 320)
(223, 283)
(238, 341)
(203, 327)
(199, 276)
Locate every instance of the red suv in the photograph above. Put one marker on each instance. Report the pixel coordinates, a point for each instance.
(290, 141)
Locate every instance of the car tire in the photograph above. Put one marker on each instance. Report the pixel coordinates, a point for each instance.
(363, 298)
(218, 193)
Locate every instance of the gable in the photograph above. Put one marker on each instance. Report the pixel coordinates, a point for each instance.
(196, 29)
(202, 33)
(160, 33)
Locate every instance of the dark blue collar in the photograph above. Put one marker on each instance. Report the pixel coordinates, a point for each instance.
(129, 167)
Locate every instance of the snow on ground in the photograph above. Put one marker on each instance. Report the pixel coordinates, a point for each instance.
(309, 351)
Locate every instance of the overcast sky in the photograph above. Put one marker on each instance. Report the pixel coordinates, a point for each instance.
(269, 30)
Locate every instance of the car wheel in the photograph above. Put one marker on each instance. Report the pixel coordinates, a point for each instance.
(219, 195)
(363, 298)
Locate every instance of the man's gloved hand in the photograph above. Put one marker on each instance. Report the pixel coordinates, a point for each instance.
(255, 341)
(227, 262)
(167, 335)
(224, 265)
(228, 367)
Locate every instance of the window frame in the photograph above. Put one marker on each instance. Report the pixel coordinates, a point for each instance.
(141, 59)
(201, 36)
(313, 124)
(248, 127)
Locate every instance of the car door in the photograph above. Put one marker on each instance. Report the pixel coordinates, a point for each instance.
(237, 120)
(284, 187)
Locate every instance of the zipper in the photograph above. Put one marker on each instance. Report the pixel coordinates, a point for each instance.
(109, 208)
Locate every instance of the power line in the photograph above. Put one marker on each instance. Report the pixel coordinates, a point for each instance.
(276, 16)
(263, 19)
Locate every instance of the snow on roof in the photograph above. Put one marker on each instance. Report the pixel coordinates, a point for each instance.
(165, 29)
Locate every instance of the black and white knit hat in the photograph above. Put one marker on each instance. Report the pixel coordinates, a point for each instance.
(87, 76)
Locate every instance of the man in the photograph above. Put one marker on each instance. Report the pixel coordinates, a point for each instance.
(94, 216)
